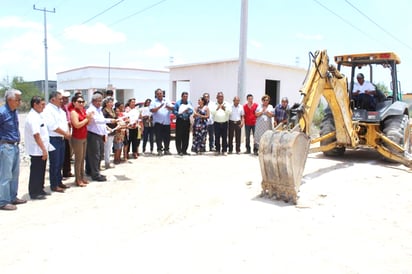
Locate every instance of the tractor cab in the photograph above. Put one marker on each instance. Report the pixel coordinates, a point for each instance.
(378, 70)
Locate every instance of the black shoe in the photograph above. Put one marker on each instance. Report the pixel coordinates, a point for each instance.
(38, 197)
(8, 207)
(19, 201)
(63, 186)
(167, 152)
(185, 153)
(100, 178)
(180, 153)
(45, 193)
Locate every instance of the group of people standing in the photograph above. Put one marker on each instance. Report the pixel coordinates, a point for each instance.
(222, 122)
(59, 129)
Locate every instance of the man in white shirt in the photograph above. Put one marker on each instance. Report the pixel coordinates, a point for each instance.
(37, 144)
(235, 124)
(220, 112)
(96, 134)
(161, 110)
(363, 93)
(58, 128)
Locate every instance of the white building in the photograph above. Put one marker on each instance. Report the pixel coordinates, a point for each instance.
(261, 78)
(126, 82)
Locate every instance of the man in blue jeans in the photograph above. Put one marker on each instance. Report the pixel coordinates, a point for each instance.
(58, 128)
(9, 151)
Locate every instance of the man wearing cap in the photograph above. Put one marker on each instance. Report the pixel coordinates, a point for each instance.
(9, 151)
(363, 93)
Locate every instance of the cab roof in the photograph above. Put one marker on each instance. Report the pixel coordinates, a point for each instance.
(367, 58)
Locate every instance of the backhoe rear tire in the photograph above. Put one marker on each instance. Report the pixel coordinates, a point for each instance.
(327, 126)
(396, 128)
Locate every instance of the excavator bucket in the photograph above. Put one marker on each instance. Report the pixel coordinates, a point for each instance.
(282, 156)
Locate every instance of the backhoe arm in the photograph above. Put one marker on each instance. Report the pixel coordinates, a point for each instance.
(282, 154)
(324, 80)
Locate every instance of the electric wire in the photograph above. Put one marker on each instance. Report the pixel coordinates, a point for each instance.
(346, 21)
(136, 13)
(376, 24)
(100, 13)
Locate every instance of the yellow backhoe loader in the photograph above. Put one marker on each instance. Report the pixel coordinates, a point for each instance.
(384, 126)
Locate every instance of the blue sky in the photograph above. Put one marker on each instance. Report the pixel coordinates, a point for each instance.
(147, 33)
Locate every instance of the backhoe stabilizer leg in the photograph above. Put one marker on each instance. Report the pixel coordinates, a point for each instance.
(282, 157)
(394, 151)
(405, 158)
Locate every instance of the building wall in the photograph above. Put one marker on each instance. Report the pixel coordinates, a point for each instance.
(222, 76)
(196, 79)
(137, 83)
(41, 84)
(209, 78)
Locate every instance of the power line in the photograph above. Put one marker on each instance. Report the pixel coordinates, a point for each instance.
(46, 79)
(138, 12)
(376, 24)
(346, 21)
(106, 10)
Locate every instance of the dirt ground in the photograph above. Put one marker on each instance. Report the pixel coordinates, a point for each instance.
(203, 214)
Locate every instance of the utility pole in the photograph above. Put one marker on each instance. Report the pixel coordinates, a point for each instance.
(46, 79)
(109, 84)
(242, 51)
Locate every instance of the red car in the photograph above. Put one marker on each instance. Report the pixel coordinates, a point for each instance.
(172, 122)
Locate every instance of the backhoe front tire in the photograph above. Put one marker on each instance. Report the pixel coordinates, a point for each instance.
(327, 126)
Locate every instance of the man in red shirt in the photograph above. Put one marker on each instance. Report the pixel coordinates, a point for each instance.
(250, 120)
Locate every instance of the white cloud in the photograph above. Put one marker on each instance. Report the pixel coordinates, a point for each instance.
(255, 44)
(21, 54)
(303, 36)
(95, 34)
(158, 50)
(155, 57)
(17, 22)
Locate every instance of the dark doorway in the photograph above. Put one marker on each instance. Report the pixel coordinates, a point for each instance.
(120, 95)
(272, 89)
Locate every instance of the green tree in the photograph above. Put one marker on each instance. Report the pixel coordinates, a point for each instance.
(27, 89)
(381, 86)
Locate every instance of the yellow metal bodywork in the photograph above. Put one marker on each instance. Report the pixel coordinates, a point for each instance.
(279, 149)
(349, 59)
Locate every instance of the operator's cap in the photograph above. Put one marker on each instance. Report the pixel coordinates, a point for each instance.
(360, 75)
